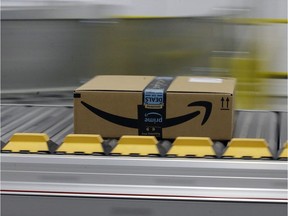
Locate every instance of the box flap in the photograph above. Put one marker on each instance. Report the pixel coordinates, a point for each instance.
(202, 84)
(116, 83)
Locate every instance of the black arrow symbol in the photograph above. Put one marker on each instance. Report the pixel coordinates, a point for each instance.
(227, 100)
(133, 123)
(222, 100)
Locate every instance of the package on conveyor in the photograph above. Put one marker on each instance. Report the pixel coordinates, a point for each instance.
(165, 107)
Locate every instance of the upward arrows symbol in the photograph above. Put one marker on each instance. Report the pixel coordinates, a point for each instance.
(222, 100)
(227, 100)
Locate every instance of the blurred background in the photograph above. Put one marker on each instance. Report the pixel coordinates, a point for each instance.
(57, 45)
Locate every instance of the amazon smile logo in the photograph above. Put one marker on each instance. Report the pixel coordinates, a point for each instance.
(152, 117)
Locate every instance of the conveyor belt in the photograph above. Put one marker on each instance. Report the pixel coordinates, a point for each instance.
(57, 122)
(258, 124)
(141, 181)
(54, 120)
(47, 98)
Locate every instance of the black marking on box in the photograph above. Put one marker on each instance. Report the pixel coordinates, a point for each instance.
(152, 112)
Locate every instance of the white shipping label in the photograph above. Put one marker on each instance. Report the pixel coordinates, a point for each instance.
(205, 80)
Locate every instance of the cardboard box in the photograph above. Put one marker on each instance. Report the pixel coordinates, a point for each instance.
(165, 107)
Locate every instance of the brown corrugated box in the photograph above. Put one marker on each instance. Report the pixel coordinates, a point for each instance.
(113, 106)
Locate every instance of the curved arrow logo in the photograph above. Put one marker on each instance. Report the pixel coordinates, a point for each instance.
(133, 123)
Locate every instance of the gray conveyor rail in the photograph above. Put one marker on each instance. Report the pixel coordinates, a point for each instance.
(259, 181)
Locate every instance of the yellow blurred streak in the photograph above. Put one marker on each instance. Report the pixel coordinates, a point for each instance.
(256, 21)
